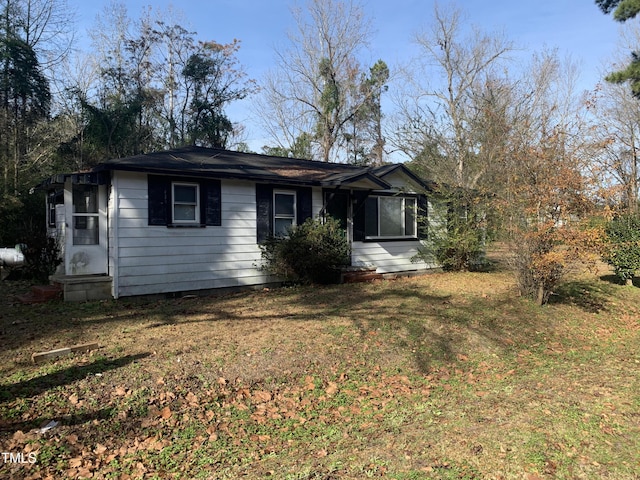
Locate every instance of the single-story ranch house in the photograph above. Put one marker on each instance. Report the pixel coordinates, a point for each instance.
(193, 218)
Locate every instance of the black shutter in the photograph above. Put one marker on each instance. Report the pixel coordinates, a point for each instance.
(264, 211)
(423, 219)
(358, 215)
(371, 217)
(159, 193)
(304, 208)
(210, 203)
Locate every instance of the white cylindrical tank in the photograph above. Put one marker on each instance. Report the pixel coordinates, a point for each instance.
(11, 257)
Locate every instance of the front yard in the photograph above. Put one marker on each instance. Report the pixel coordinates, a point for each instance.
(442, 376)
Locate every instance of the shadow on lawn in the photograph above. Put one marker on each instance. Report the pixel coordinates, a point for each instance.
(10, 426)
(38, 385)
(615, 280)
(590, 296)
(435, 328)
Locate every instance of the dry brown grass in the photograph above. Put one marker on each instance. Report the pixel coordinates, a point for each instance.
(439, 376)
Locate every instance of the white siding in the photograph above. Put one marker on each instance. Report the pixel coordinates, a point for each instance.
(112, 227)
(58, 233)
(157, 259)
(388, 257)
(399, 180)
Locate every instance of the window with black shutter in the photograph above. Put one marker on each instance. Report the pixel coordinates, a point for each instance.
(184, 202)
(389, 217)
(278, 208)
(53, 198)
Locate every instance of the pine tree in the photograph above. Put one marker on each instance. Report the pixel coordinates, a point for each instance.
(624, 10)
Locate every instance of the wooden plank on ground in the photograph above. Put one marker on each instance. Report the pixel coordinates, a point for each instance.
(60, 352)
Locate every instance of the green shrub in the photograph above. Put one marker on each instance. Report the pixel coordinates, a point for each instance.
(456, 234)
(313, 252)
(460, 246)
(41, 258)
(622, 246)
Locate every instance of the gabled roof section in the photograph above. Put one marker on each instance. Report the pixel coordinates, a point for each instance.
(386, 171)
(211, 162)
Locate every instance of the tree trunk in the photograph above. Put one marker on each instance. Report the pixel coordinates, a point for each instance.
(542, 295)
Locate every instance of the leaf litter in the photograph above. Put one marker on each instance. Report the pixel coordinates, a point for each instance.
(394, 383)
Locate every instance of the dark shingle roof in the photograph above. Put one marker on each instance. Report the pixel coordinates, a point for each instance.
(251, 166)
(218, 163)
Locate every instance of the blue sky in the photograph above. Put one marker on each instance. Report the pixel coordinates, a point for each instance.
(576, 27)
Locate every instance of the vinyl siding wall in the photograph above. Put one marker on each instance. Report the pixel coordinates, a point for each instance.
(389, 256)
(157, 259)
(148, 259)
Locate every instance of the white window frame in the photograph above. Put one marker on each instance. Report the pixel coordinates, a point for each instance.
(196, 205)
(404, 217)
(290, 193)
(89, 233)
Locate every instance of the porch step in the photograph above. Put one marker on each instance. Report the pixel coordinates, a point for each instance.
(41, 294)
(83, 288)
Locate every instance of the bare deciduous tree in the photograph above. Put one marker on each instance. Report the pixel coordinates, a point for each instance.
(311, 89)
(617, 132)
(439, 107)
(545, 194)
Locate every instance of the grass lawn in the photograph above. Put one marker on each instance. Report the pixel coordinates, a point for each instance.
(447, 376)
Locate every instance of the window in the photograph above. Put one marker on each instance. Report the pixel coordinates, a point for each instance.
(293, 207)
(390, 217)
(54, 199)
(85, 215)
(284, 212)
(186, 208)
(186, 202)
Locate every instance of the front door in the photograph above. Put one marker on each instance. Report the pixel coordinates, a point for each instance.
(86, 229)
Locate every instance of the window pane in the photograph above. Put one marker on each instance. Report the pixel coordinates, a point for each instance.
(85, 199)
(391, 217)
(410, 217)
(281, 226)
(284, 204)
(184, 213)
(184, 193)
(85, 230)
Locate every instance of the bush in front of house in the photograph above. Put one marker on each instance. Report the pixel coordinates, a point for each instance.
(622, 246)
(460, 246)
(314, 252)
(41, 258)
(457, 232)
